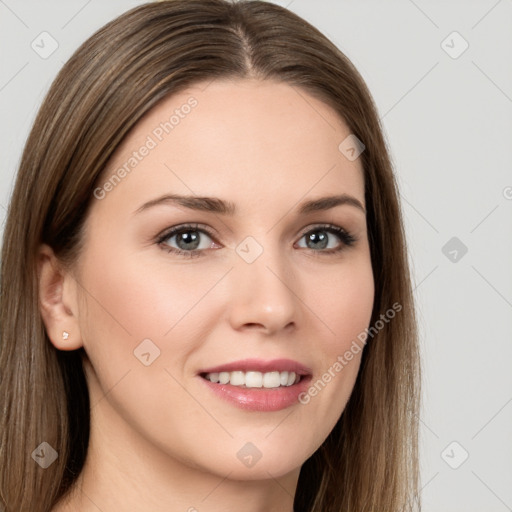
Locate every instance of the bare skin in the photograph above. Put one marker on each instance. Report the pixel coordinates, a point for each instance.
(160, 439)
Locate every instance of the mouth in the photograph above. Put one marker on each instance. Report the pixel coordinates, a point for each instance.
(258, 385)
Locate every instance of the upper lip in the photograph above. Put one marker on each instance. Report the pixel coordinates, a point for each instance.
(260, 365)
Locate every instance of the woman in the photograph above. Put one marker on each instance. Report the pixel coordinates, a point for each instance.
(206, 302)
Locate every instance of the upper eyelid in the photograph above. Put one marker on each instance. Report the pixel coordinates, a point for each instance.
(172, 231)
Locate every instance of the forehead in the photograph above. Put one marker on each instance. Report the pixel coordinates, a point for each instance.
(252, 139)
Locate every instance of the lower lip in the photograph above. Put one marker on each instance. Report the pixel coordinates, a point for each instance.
(260, 399)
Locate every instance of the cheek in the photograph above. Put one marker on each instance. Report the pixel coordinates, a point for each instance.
(345, 305)
(133, 298)
(123, 308)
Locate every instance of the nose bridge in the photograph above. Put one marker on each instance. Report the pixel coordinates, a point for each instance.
(263, 285)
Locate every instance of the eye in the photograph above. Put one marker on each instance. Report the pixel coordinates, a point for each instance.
(189, 240)
(321, 239)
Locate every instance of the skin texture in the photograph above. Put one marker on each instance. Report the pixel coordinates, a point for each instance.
(160, 439)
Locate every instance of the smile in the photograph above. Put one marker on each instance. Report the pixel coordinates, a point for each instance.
(258, 385)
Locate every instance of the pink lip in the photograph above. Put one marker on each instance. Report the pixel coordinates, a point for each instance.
(260, 365)
(260, 399)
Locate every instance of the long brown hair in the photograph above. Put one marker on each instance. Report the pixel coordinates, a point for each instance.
(369, 462)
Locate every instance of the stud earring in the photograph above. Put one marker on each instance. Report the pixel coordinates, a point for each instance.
(65, 335)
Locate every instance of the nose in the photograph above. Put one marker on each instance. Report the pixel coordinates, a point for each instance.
(264, 294)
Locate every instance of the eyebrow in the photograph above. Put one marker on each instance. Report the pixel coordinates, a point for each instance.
(219, 206)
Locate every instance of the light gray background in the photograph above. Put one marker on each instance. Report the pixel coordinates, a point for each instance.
(449, 125)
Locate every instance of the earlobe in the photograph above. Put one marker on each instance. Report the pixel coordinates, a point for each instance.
(57, 302)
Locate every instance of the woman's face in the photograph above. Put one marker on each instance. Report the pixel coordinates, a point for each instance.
(253, 295)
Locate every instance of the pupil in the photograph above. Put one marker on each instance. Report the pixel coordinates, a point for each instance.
(316, 238)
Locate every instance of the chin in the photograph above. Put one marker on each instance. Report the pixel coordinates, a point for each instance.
(263, 470)
(260, 460)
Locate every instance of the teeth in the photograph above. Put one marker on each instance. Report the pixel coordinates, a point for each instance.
(237, 378)
(254, 379)
(272, 380)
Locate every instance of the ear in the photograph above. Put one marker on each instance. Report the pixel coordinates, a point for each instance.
(58, 302)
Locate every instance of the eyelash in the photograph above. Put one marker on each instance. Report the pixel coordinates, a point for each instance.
(346, 238)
